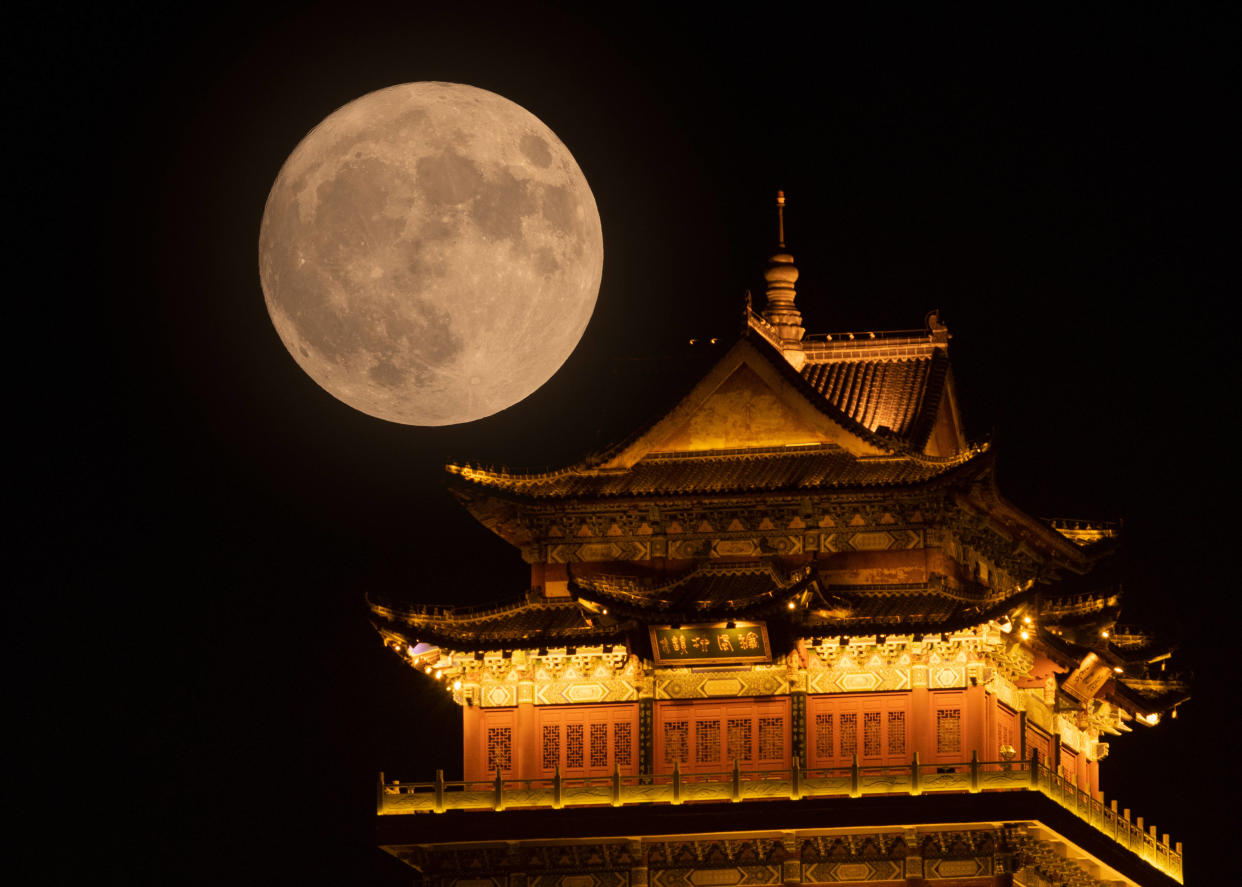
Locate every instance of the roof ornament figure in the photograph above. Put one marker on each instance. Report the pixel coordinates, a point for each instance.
(781, 275)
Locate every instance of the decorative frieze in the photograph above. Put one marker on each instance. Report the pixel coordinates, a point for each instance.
(686, 684)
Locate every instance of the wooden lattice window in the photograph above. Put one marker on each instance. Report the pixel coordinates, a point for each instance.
(573, 746)
(499, 748)
(849, 734)
(871, 734)
(623, 744)
(896, 732)
(771, 739)
(873, 726)
(823, 735)
(551, 756)
(707, 742)
(948, 731)
(599, 745)
(740, 739)
(676, 742)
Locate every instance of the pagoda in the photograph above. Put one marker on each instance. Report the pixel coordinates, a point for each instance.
(790, 632)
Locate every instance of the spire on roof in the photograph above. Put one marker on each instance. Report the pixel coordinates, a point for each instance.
(781, 274)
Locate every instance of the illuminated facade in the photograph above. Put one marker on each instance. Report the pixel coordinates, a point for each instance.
(790, 632)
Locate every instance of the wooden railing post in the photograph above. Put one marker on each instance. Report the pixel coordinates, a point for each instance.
(974, 770)
(379, 793)
(557, 787)
(795, 788)
(616, 785)
(498, 800)
(439, 802)
(1035, 769)
(855, 778)
(676, 782)
(914, 775)
(737, 781)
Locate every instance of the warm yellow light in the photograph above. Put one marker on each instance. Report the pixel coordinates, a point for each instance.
(1173, 714)
(1026, 619)
(791, 605)
(1104, 633)
(1152, 719)
(456, 685)
(605, 611)
(409, 650)
(439, 674)
(1026, 635)
(427, 668)
(1117, 668)
(1006, 626)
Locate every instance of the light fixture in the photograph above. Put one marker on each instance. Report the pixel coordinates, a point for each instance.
(456, 685)
(1118, 669)
(427, 669)
(1026, 619)
(1006, 626)
(1104, 632)
(1026, 635)
(791, 605)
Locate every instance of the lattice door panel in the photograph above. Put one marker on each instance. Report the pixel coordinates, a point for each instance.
(587, 740)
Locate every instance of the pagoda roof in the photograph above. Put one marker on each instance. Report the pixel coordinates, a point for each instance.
(753, 469)
(818, 427)
(615, 605)
(524, 623)
(709, 590)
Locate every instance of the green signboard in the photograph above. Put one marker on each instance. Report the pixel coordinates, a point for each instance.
(720, 644)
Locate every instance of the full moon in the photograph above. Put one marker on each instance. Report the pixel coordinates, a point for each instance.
(430, 253)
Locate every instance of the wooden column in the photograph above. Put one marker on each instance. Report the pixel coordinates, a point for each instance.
(525, 733)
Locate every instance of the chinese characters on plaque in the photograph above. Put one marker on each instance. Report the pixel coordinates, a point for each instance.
(719, 644)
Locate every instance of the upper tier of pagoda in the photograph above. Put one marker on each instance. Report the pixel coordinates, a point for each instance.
(821, 484)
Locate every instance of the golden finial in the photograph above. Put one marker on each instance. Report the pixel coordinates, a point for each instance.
(780, 219)
(781, 275)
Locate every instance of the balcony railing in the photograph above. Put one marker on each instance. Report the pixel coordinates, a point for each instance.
(739, 785)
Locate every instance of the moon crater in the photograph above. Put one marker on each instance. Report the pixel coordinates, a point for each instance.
(430, 253)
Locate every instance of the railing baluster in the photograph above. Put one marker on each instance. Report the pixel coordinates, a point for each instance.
(438, 807)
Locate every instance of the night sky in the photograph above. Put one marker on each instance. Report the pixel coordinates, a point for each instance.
(198, 522)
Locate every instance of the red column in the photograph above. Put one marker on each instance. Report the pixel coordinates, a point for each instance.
(472, 742)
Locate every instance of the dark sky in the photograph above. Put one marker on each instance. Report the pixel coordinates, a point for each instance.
(199, 522)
